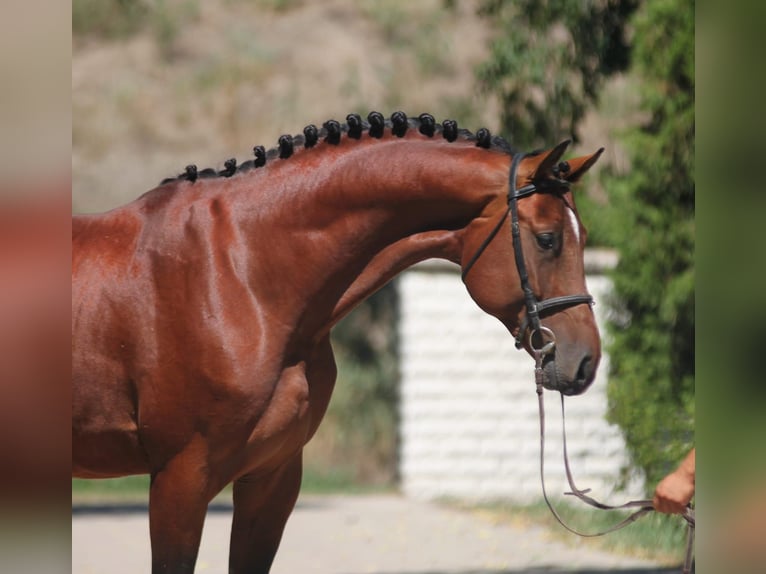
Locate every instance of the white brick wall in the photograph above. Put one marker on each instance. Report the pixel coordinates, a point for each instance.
(469, 419)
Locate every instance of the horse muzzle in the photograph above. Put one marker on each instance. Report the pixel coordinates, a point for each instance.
(556, 377)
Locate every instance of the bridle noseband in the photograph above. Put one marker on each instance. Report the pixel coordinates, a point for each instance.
(534, 307)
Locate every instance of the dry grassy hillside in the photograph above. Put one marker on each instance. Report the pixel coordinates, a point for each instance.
(204, 81)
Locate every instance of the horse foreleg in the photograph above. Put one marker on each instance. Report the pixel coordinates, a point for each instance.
(177, 506)
(261, 508)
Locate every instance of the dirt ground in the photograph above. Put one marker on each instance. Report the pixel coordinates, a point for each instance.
(382, 533)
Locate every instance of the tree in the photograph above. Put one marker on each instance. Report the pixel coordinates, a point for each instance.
(549, 60)
(651, 382)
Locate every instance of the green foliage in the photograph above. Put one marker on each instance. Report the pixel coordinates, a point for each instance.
(135, 489)
(126, 488)
(651, 383)
(119, 19)
(548, 63)
(278, 5)
(413, 30)
(549, 60)
(108, 18)
(597, 216)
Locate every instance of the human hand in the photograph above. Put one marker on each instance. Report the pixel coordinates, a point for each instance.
(675, 491)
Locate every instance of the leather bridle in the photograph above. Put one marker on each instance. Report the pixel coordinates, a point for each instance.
(534, 307)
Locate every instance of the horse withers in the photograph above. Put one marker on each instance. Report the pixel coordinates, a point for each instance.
(201, 311)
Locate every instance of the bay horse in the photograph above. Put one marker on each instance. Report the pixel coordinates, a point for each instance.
(201, 311)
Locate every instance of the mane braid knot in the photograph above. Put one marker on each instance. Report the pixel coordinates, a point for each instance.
(562, 168)
(311, 134)
(427, 125)
(399, 124)
(354, 122)
(333, 132)
(260, 156)
(483, 138)
(285, 146)
(377, 124)
(190, 173)
(449, 130)
(229, 167)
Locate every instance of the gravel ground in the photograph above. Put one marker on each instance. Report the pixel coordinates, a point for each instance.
(380, 534)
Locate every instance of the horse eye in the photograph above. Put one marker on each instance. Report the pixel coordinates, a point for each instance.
(546, 240)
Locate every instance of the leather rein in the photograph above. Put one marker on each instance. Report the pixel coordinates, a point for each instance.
(531, 322)
(642, 507)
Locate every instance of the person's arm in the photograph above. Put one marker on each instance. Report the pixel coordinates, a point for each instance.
(675, 491)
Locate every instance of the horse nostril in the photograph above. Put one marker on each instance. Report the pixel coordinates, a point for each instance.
(585, 372)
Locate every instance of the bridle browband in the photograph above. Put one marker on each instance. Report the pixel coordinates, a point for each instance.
(534, 307)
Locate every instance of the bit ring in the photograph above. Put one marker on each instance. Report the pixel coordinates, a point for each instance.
(548, 340)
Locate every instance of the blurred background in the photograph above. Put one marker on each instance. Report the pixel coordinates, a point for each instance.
(157, 85)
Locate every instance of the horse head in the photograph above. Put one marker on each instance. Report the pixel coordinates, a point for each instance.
(522, 262)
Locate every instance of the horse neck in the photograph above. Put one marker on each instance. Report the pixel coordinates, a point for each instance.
(393, 187)
(356, 214)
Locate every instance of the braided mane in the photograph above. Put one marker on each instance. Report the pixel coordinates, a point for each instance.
(332, 132)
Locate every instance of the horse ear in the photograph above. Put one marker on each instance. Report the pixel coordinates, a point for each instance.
(579, 165)
(547, 160)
